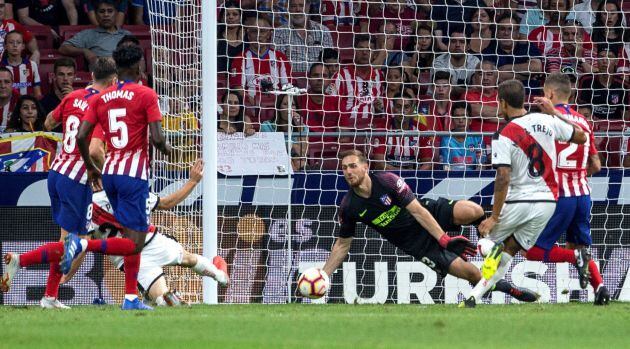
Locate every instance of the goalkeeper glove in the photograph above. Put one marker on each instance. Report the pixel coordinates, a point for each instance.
(459, 245)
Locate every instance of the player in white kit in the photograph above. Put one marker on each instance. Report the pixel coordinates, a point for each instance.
(159, 250)
(526, 185)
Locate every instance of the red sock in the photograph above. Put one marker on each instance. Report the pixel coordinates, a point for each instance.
(596, 277)
(48, 253)
(54, 277)
(555, 255)
(112, 246)
(132, 267)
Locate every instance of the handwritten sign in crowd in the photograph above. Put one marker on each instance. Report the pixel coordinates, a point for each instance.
(263, 153)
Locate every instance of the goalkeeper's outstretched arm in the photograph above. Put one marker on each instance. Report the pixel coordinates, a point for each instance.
(339, 252)
(172, 200)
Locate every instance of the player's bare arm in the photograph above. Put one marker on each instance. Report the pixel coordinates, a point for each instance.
(337, 255)
(594, 164)
(501, 184)
(50, 122)
(97, 152)
(94, 174)
(425, 219)
(158, 139)
(545, 105)
(172, 200)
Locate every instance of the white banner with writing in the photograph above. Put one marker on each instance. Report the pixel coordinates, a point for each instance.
(263, 153)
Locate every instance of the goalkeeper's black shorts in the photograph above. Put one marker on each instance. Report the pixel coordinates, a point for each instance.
(442, 210)
(429, 252)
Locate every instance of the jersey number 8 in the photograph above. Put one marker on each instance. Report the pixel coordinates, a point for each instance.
(116, 124)
(536, 164)
(70, 133)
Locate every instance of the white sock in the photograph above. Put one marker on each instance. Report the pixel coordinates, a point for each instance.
(204, 267)
(484, 285)
(84, 244)
(159, 301)
(131, 297)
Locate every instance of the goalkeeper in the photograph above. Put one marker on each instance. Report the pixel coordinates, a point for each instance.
(385, 202)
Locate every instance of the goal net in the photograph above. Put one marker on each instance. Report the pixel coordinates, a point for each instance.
(176, 31)
(414, 86)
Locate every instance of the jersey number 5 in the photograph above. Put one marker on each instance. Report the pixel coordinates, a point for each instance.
(116, 124)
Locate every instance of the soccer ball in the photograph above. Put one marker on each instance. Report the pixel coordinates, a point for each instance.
(313, 283)
(484, 246)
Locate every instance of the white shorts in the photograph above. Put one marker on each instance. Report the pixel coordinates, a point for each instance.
(524, 220)
(159, 251)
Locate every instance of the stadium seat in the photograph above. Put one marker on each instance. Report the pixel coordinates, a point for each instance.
(45, 68)
(68, 31)
(42, 35)
(46, 74)
(609, 125)
(610, 149)
(142, 32)
(267, 101)
(344, 40)
(323, 156)
(346, 55)
(48, 55)
(424, 79)
(148, 58)
(82, 79)
(265, 113)
(222, 80)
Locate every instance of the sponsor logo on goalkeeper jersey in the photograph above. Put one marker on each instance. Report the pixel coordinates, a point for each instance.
(386, 217)
(363, 213)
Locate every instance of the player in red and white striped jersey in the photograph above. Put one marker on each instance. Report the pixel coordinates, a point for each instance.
(70, 196)
(359, 87)
(575, 162)
(8, 97)
(573, 210)
(161, 250)
(259, 64)
(25, 71)
(524, 154)
(126, 112)
(69, 113)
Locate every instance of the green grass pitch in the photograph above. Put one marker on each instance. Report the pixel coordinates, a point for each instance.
(320, 326)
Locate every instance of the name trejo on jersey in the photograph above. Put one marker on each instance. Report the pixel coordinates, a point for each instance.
(538, 128)
(128, 95)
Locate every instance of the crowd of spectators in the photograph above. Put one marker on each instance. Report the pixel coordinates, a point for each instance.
(376, 72)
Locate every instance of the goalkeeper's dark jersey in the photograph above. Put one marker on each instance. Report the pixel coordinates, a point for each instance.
(384, 211)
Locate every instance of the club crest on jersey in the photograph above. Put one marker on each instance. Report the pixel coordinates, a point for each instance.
(614, 99)
(386, 200)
